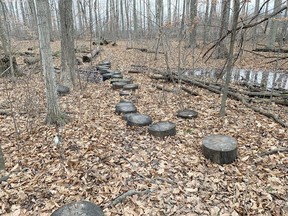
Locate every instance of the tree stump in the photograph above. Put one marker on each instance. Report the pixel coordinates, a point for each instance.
(219, 149)
(138, 119)
(107, 76)
(131, 86)
(162, 129)
(102, 67)
(106, 63)
(117, 76)
(118, 85)
(62, 90)
(125, 107)
(124, 93)
(127, 81)
(79, 208)
(187, 114)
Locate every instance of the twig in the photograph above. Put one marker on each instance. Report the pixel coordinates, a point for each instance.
(274, 151)
(123, 196)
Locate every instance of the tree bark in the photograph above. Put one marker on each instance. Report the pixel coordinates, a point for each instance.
(67, 44)
(236, 10)
(54, 115)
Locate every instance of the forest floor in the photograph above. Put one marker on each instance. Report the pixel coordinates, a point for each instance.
(100, 158)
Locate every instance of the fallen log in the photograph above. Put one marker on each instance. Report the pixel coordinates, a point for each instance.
(232, 95)
(189, 91)
(143, 50)
(266, 49)
(90, 56)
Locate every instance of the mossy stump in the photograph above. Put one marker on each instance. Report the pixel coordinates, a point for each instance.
(187, 114)
(219, 149)
(125, 107)
(79, 208)
(137, 119)
(162, 129)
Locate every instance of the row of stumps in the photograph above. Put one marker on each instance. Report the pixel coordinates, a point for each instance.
(219, 149)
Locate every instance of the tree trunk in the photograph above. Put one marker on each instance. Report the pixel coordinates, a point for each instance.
(135, 21)
(274, 25)
(212, 20)
(255, 32)
(222, 50)
(206, 20)
(54, 115)
(193, 24)
(67, 44)
(169, 11)
(236, 10)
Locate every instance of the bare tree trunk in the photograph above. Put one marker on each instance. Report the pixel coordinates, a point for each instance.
(236, 11)
(54, 115)
(80, 20)
(3, 37)
(193, 24)
(274, 26)
(169, 11)
(206, 20)
(149, 17)
(222, 50)
(122, 17)
(255, 32)
(212, 20)
(135, 21)
(67, 44)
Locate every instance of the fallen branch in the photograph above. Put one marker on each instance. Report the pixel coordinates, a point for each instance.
(274, 151)
(143, 50)
(189, 91)
(266, 49)
(122, 197)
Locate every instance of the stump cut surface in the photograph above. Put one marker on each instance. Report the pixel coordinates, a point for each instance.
(118, 85)
(138, 119)
(125, 107)
(220, 149)
(79, 208)
(162, 129)
(131, 86)
(187, 114)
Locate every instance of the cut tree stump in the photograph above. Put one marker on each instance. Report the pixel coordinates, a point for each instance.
(118, 85)
(105, 63)
(125, 107)
(117, 76)
(219, 149)
(79, 208)
(62, 90)
(138, 119)
(124, 93)
(187, 114)
(131, 86)
(162, 129)
(90, 56)
(127, 81)
(107, 76)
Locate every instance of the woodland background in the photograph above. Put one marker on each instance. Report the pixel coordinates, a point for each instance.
(225, 59)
